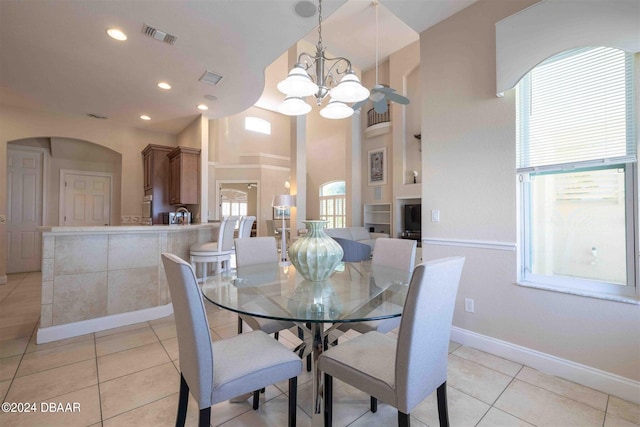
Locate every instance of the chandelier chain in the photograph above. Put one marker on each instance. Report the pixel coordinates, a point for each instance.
(319, 22)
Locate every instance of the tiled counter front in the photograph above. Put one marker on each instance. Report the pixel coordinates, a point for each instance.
(94, 278)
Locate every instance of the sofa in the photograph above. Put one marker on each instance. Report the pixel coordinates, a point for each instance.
(359, 234)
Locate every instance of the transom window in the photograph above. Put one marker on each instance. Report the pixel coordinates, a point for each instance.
(576, 161)
(333, 203)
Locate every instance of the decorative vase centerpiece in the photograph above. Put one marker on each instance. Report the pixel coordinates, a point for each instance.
(315, 255)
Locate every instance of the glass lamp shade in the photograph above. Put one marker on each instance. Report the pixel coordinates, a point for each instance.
(298, 83)
(336, 110)
(349, 89)
(294, 106)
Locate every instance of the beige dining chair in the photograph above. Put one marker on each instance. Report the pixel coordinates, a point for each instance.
(405, 371)
(244, 229)
(217, 371)
(252, 251)
(394, 253)
(218, 252)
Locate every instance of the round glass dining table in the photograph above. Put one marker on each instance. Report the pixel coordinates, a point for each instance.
(276, 291)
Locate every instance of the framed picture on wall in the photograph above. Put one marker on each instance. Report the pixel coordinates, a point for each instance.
(377, 166)
(281, 213)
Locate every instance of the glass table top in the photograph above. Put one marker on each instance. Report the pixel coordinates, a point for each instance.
(276, 291)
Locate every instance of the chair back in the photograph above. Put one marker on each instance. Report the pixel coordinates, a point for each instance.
(396, 253)
(225, 233)
(256, 250)
(246, 223)
(194, 339)
(353, 251)
(425, 329)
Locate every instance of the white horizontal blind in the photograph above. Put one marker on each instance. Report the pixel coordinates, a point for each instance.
(577, 109)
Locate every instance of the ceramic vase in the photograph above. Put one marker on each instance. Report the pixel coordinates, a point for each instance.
(315, 255)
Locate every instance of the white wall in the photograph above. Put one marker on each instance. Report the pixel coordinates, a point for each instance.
(469, 175)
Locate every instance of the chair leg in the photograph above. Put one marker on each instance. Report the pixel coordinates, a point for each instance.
(309, 362)
(276, 335)
(403, 420)
(328, 400)
(205, 417)
(443, 410)
(293, 400)
(256, 400)
(183, 400)
(374, 404)
(239, 325)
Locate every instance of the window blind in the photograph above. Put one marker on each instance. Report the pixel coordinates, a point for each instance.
(577, 108)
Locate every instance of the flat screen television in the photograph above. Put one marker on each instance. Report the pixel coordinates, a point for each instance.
(412, 217)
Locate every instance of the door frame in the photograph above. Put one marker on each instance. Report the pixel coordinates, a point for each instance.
(220, 183)
(63, 175)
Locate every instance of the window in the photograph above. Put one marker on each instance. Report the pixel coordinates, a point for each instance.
(333, 204)
(233, 202)
(257, 124)
(576, 161)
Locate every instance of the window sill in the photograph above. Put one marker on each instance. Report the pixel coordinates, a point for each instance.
(583, 293)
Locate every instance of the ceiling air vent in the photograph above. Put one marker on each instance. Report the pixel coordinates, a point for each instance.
(210, 77)
(156, 34)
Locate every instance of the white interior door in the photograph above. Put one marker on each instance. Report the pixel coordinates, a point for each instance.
(24, 198)
(86, 198)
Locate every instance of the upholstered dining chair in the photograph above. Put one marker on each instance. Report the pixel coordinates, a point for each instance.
(217, 371)
(394, 253)
(218, 252)
(252, 251)
(244, 229)
(353, 252)
(405, 371)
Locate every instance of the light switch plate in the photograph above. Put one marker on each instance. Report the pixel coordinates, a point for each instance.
(435, 215)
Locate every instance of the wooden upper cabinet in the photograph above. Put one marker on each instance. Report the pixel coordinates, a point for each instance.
(184, 176)
(155, 170)
(155, 166)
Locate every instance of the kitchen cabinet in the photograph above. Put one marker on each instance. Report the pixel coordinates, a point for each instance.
(184, 176)
(155, 166)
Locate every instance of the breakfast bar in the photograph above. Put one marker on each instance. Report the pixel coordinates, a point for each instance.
(97, 278)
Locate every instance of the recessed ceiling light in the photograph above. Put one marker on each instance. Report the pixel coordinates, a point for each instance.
(115, 33)
(164, 85)
(145, 117)
(202, 107)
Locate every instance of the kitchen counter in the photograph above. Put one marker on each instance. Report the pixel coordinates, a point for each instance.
(97, 278)
(129, 228)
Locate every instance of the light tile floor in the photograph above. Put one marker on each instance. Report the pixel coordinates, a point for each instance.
(129, 377)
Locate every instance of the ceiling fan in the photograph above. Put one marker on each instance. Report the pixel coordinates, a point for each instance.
(380, 94)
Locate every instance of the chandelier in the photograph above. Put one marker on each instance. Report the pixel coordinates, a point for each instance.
(321, 83)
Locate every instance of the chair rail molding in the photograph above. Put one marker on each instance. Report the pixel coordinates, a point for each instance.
(482, 244)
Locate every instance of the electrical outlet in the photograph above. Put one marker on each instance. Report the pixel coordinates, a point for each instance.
(3, 219)
(435, 215)
(469, 305)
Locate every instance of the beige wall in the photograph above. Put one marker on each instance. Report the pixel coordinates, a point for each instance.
(327, 145)
(236, 154)
(18, 123)
(469, 175)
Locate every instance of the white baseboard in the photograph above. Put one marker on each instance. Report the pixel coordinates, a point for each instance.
(69, 330)
(606, 382)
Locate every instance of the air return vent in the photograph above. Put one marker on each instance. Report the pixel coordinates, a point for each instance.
(156, 34)
(211, 78)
